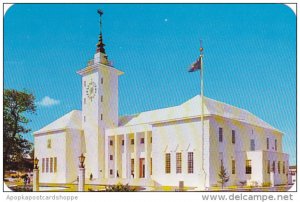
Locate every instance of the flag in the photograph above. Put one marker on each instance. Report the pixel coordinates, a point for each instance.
(196, 65)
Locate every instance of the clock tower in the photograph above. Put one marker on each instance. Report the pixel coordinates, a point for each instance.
(99, 106)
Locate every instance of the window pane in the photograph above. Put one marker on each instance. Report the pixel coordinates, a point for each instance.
(190, 162)
(248, 167)
(43, 165)
(178, 162)
(150, 166)
(51, 165)
(220, 134)
(132, 167)
(168, 163)
(252, 145)
(233, 136)
(273, 167)
(55, 164)
(47, 165)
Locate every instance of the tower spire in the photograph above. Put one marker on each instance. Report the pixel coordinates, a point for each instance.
(100, 44)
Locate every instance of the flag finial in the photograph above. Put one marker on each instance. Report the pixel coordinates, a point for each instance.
(201, 47)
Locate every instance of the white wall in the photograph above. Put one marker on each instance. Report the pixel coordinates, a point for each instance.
(173, 137)
(58, 149)
(90, 122)
(240, 150)
(74, 148)
(279, 178)
(106, 79)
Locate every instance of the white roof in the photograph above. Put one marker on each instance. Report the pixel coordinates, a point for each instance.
(188, 109)
(71, 120)
(192, 108)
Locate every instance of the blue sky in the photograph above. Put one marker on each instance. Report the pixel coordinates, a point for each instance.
(250, 56)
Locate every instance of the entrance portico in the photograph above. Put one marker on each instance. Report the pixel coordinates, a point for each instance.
(128, 152)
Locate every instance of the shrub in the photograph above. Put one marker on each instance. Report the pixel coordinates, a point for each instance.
(26, 188)
(90, 189)
(119, 188)
(243, 183)
(223, 176)
(266, 184)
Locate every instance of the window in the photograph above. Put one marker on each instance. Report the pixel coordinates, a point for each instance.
(190, 162)
(122, 142)
(51, 165)
(142, 140)
(168, 163)
(55, 164)
(252, 145)
(233, 166)
(275, 144)
(178, 163)
(84, 83)
(101, 117)
(84, 100)
(150, 166)
(233, 136)
(43, 165)
(111, 172)
(220, 134)
(47, 165)
(278, 167)
(150, 139)
(101, 98)
(84, 118)
(111, 143)
(268, 166)
(101, 80)
(283, 167)
(132, 141)
(132, 166)
(248, 167)
(111, 157)
(273, 166)
(268, 143)
(49, 143)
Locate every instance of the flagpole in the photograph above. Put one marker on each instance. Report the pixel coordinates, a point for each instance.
(202, 108)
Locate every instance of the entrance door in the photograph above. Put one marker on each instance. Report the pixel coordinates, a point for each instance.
(142, 168)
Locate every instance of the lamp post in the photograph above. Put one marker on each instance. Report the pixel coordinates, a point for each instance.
(36, 174)
(81, 174)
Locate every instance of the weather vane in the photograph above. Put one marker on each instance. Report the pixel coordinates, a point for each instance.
(100, 12)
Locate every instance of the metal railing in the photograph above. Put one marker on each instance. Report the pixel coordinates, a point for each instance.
(91, 62)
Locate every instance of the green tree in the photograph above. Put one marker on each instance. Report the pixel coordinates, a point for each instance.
(17, 104)
(223, 176)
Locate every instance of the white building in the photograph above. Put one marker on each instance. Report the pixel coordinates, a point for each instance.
(159, 147)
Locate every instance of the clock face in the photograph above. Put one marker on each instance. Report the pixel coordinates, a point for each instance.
(91, 90)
